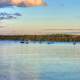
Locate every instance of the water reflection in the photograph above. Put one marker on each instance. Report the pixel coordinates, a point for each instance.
(39, 61)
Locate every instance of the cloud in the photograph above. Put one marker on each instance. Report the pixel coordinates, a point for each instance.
(7, 16)
(22, 3)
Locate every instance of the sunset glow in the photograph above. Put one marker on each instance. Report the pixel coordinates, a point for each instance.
(33, 17)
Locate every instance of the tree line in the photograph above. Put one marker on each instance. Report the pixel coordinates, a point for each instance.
(51, 37)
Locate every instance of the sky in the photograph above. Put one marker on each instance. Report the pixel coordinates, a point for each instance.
(19, 17)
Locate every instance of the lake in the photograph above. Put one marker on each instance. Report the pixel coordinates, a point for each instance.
(34, 61)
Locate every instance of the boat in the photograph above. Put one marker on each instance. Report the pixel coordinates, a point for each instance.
(74, 43)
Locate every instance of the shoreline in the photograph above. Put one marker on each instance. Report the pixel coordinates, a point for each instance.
(42, 38)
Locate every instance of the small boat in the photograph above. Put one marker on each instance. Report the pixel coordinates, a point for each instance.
(22, 42)
(74, 43)
(50, 42)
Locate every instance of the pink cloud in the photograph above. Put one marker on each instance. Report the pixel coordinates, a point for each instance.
(22, 3)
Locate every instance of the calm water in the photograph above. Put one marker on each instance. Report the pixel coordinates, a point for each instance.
(59, 61)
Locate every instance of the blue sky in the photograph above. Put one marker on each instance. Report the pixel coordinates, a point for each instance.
(59, 14)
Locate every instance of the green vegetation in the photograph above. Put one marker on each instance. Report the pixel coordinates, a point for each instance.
(51, 37)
